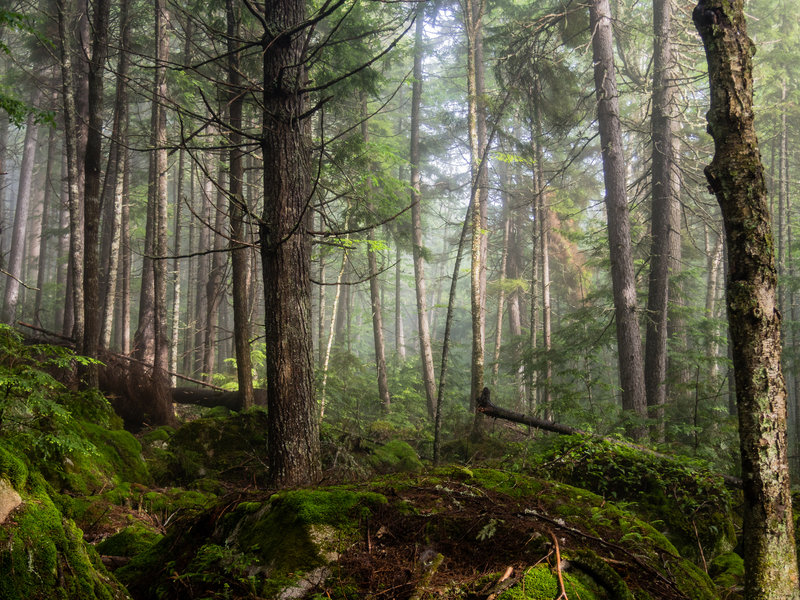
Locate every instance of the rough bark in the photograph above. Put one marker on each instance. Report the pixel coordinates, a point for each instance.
(44, 238)
(293, 429)
(476, 120)
(736, 177)
(115, 177)
(542, 213)
(72, 144)
(239, 252)
(426, 352)
(663, 197)
(92, 201)
(631, 368)
(18, 233)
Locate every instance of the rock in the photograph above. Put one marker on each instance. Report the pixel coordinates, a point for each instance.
(9, 500)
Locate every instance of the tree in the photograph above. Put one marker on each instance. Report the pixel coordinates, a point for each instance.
(239, 251)
(736, 177)
(426, 353)
(11, 296)
(663, 192)
(293, 429)
(631, 373)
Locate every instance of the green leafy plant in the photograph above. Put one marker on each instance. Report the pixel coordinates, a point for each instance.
(33, 403)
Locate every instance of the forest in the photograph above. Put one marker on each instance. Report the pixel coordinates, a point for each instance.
(399, 299)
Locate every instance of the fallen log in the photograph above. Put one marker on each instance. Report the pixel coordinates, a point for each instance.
(484, 405)
(213, 397)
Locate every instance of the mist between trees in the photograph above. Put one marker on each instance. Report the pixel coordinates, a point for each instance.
(377, 209)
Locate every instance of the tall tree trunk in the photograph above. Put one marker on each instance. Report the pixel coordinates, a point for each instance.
(329, 345)
(18, 233)
(238, 208)
(399, 333)
(4, 123)
(177, 298)
(113, 196)
(47, 209)
(92, 201)
(215, 290)
(476, 119)
(662, 228)
(115, 178)
(736, 177)
(377, 325)
(293, 428)
(62, 272)
(426, 352)
(714, 262)
(72, 143)
(501, 297)
(203, 270)
(543, 214)
(631, 368)
(124, 277)
(160, 190)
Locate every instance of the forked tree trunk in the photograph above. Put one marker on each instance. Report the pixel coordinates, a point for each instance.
(736, 176)
(631, 368)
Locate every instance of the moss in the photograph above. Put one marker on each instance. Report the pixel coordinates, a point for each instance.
(395, 455)
(539, 583)
(43, 555)
(602, 573)
(132, 540)
(727, 570)
(232, 448)
(12, 467)
(687, 498)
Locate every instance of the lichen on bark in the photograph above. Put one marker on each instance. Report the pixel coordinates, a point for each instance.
(736, 177)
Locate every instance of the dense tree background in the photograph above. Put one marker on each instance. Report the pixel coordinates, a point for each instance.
(448, 209)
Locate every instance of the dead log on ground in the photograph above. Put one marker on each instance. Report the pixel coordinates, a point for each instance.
(210, 398)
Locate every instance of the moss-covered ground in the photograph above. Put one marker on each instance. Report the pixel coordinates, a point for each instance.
(184, 513)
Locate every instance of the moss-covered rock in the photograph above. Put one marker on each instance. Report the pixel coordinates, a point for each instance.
(130, 541)
(687, 501)
(231, 448)
(43, 555)
(394, 456)
(369, 538)
(256, 547)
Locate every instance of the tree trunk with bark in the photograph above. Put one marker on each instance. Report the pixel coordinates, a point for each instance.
(239, 251)
(92, 201)
(293, 428)
(476, 120)
(631, 368)
(662, 228)
(44, 238)
(736, 177)
(426, 352)
(13, 280)
(115, 177)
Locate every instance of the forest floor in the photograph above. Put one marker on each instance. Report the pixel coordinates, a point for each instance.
(185, 513)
